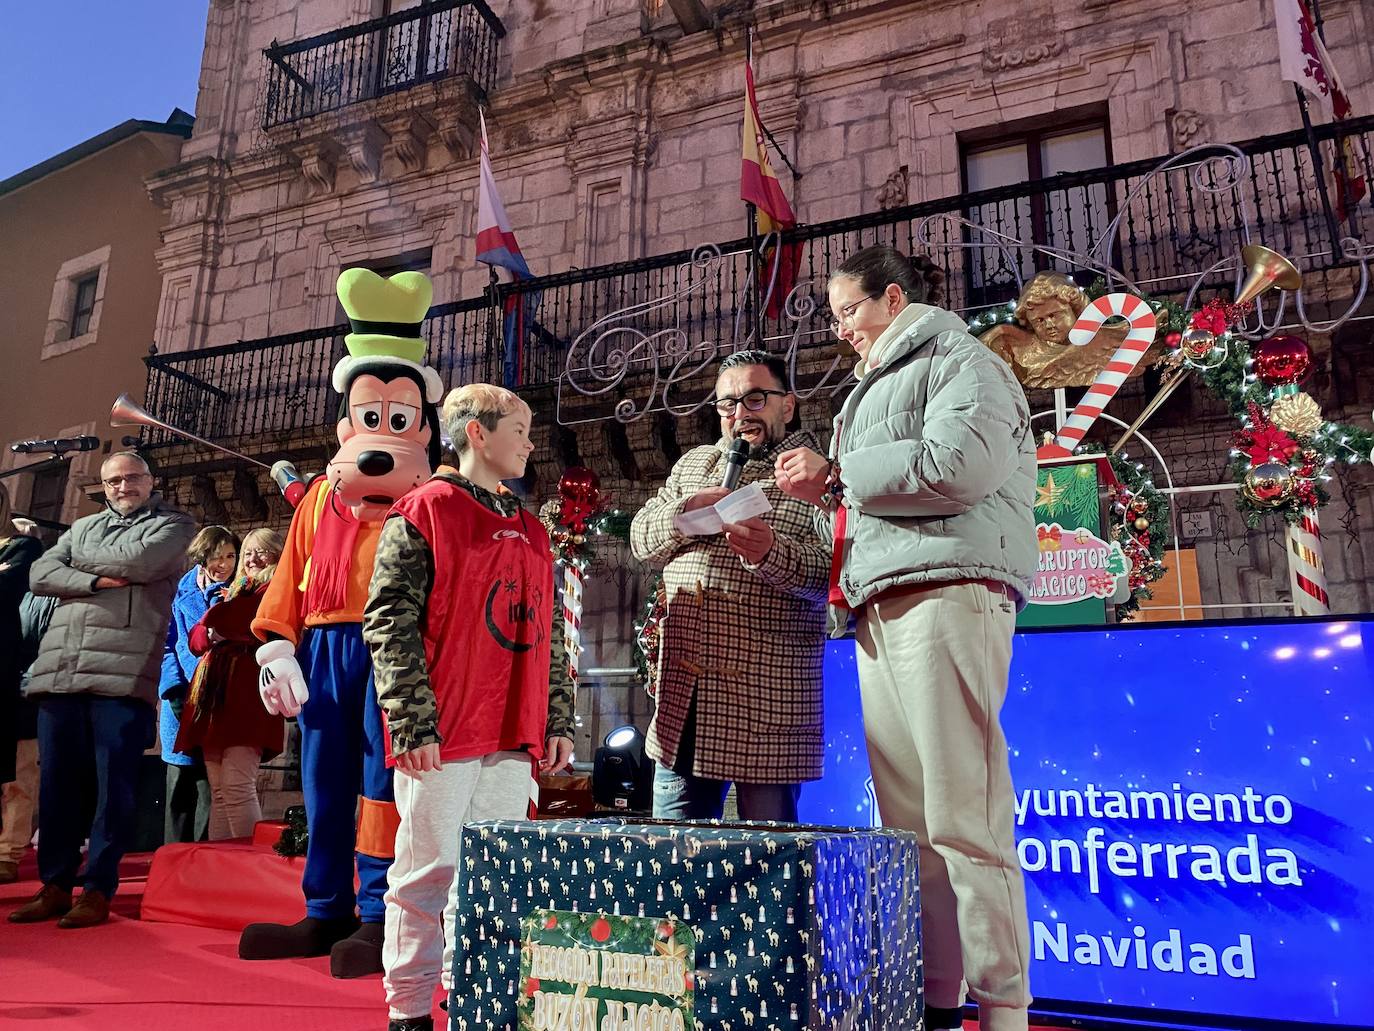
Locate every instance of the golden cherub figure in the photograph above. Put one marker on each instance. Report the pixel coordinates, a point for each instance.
(1037, 346)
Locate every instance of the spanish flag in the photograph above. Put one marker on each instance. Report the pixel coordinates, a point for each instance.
(758, 185)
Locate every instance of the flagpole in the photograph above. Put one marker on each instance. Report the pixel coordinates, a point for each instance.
(1318, 23)
(751, 302)
(1318, 172)
(495, 336)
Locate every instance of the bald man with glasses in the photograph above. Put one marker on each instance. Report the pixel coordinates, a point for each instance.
(95, 679)
(739, 677)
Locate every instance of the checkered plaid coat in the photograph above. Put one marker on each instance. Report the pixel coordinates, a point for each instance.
(747, 641)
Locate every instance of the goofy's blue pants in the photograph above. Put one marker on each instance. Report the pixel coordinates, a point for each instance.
(343, 756)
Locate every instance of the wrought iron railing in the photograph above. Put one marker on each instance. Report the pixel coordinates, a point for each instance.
(1161, 230)
(439, 39)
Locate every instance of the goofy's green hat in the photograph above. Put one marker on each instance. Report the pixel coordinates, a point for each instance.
(385, 316)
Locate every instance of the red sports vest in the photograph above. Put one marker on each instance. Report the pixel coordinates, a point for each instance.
(487, 621)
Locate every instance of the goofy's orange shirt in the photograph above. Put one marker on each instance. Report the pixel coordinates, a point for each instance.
(324, 536)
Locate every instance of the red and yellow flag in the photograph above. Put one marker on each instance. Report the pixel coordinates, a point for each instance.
(758, 185)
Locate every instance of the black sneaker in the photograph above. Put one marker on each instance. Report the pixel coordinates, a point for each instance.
(942, 1018)
(411, 1024)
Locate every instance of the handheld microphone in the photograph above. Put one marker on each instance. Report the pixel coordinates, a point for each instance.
(289, 481)
(58, 446)
(734, 463)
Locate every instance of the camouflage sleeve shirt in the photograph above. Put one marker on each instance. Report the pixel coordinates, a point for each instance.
(393, 629)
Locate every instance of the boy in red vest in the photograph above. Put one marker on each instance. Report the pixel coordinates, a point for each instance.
(467, 659)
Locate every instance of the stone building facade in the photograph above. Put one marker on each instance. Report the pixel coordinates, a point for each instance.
(614, 132)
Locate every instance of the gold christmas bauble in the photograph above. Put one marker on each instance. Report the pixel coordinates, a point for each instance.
(1198, 343)
(1142, 524)
(1296, 413)
(1269, 484)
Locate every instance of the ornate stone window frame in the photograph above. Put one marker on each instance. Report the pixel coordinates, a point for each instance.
(57, 338)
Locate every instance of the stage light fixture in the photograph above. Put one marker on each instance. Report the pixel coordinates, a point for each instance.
(622, 775)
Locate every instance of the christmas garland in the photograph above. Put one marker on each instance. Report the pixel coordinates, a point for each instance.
(649, 635)
(1137, 508)
(1283, 451)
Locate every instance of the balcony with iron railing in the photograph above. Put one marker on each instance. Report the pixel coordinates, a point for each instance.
(436, 41)
(1159, 228)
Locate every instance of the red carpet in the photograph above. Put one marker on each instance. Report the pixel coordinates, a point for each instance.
(131, 975)
(128, 975)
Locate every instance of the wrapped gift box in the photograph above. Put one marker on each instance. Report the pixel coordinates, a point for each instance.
(793, 927)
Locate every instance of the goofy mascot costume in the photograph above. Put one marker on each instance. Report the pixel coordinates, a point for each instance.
(314, 664)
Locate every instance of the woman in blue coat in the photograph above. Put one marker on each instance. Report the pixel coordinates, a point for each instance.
(214, 555)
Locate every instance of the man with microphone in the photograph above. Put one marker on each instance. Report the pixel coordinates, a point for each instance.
(739, 678)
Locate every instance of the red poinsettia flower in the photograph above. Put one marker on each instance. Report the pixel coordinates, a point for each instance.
(1210, 318)
(1270, 444)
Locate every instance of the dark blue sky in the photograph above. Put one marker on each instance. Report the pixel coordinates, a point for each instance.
(70, 69)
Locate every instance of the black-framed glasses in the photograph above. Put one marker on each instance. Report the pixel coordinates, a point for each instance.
(754, 401)
(115, 482)
(848, 311)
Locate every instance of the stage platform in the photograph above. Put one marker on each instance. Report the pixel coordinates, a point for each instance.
(132, 974)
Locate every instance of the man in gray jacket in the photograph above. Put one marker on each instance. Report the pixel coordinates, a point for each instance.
(95, 679)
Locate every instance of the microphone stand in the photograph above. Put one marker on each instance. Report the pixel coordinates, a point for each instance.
(34, 466)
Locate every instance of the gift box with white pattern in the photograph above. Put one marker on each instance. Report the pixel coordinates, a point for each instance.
(791, 927)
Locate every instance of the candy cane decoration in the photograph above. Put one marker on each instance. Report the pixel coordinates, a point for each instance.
(1143, 324)
(572, 616)
(1306, 570)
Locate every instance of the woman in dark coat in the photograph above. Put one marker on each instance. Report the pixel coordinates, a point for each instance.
(17, 552)
(18, 718)
(224, 716)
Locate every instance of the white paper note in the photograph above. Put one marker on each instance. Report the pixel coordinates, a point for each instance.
(736, 507)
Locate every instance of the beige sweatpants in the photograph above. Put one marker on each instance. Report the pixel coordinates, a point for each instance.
(19, 799)
(933, 667)
(234, 806)
(422, 884)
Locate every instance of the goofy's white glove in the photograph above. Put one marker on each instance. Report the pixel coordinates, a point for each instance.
(280, 680)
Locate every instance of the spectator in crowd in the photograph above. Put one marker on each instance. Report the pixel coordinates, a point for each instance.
(212, 554)
(19, 798)
(928, 494)
(96, 679)
(224, 718)
(18, 753)
(739, 678)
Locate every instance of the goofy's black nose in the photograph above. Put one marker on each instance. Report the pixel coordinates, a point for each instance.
(375, 463)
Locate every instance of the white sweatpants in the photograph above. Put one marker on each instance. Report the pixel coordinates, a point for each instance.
(423, 881)
(234, 806)
(933, 668)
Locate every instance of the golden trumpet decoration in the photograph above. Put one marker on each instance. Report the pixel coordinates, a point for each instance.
(1268, 269)
(126, 413)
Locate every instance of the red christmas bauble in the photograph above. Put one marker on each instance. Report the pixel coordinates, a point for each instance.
(1172, 340)
(531, 986)
(601, 930)
(1281, 360)
(578, 482)
(551, 923)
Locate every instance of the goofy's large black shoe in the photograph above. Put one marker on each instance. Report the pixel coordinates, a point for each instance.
(358, 955)
(308, 937)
